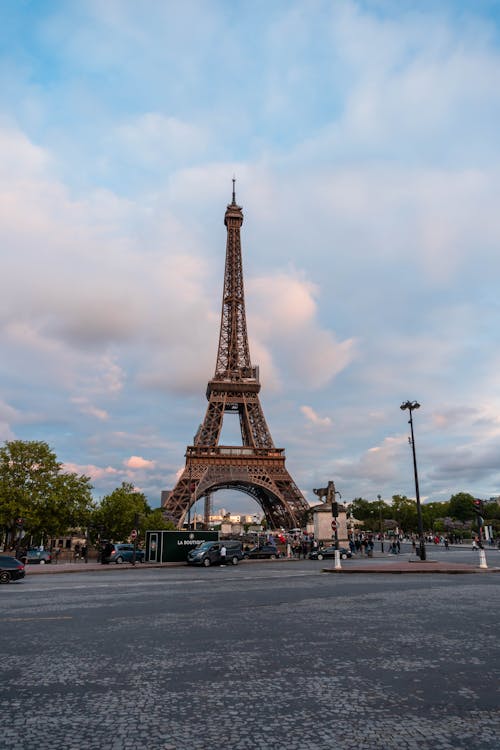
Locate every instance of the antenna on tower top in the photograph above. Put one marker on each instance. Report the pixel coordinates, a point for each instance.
(234, 191)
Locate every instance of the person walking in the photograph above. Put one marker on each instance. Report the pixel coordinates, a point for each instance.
(223, 553)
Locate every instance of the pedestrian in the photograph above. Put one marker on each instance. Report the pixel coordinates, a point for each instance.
(223, 553)
(474, 544)
(58, 552)
(84, 553)
(105, 553)
(446, 543)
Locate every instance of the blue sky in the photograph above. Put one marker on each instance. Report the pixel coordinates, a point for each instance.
(364, 139)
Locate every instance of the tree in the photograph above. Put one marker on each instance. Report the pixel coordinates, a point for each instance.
(34, 487)
(433, 515)
(404, 511)
(370, 511)
(116, 515)
(461, 506)
(154, 520)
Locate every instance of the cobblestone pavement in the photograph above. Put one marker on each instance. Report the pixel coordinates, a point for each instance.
(263, 656)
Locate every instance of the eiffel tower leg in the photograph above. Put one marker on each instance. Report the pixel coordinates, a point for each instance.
(182, 497)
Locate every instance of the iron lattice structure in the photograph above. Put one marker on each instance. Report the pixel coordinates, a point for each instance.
(256, 467)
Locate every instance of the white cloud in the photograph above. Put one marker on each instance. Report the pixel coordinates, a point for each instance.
(314, 419)
(96, 473)
(284, 317)
(137, 462)
(364, 140)
(152, 139)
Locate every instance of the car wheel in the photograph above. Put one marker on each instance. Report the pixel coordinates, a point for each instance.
(343, 556)
(320, 556)
(234, 561)
(119, 560)
(4, 576)
(42, 562)
(273, 557)
(206, 562)
(141, 560)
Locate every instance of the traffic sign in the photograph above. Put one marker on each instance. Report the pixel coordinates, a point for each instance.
(334, 525)
(133, 534)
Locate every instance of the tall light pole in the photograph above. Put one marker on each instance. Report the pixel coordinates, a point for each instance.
(380, 521)
(411, 406)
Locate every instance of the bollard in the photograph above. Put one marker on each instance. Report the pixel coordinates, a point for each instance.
(338, 566)
(482, 559)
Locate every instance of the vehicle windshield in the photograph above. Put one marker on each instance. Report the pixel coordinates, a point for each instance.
(205, 545)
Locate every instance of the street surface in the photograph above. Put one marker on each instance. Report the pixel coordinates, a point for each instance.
(267, 655)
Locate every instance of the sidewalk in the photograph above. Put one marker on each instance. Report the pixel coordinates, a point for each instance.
(81, 567)
(394, 564)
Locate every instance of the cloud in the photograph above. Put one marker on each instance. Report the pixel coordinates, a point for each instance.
(364, 141)
(153, 139)
(314, 419)
(136, 462)
(96, 473)
(284, 316)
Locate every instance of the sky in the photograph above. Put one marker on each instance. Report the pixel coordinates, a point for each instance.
(363, 135)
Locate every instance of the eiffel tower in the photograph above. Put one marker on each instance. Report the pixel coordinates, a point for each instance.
(256, 467)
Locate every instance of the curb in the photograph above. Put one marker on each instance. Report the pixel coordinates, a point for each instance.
(413, 569)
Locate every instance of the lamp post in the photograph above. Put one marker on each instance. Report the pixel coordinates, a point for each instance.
(411, 406)
(380, 522)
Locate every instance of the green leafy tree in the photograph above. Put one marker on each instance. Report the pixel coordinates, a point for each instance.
(116, 515)
(404, 511)
(433, 515)
(370, 512)
(154, 521)
(34, 487)
(491, 511)
(461, 506)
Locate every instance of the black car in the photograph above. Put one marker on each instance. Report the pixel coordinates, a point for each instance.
(208, 553)
(264, 552)
(329, 552)
(11, 569)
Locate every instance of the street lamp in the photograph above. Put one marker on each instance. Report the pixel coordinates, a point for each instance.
(411, 406)
(380, 522)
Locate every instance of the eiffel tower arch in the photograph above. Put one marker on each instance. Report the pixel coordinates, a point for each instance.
(257, 467)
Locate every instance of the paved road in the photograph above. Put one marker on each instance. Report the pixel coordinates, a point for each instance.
(265, 655)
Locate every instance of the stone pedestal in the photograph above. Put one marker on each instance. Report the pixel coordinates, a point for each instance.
(322, 525)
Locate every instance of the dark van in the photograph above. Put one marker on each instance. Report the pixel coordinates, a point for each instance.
(208, 553)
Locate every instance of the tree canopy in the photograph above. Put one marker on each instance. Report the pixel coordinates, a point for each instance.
(461, 506)
(34, 488)
(123, 510)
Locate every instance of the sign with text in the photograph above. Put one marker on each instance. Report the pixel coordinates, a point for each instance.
(173, 546)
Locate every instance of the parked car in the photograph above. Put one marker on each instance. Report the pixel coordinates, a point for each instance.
(38, 556)
(264, 552)
(11, 569)
(208, 553)
(120, 553)
(329, 552)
